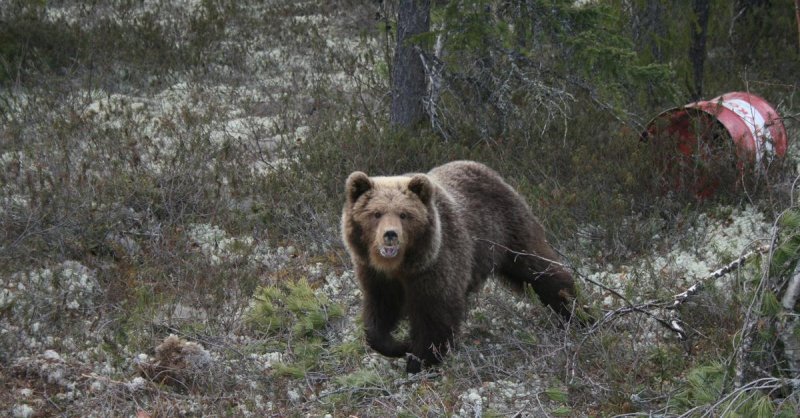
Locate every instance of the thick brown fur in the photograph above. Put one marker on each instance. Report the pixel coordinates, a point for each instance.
(420, 243)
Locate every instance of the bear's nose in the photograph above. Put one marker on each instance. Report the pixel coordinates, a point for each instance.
(390, 235)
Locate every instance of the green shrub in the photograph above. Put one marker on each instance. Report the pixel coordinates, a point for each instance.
(703, 385)
(291, 306)
(292, 310)
(707, 390)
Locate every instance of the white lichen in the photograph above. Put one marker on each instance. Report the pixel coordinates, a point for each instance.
(22, 411)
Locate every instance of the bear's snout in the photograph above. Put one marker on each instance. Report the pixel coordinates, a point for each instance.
(390, 236)
(391, 244)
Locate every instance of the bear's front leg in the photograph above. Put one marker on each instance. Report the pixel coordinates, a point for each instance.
(434, 324)
(383, 308)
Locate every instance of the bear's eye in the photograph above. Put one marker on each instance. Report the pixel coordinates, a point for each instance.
(403, 216)
(377, 215)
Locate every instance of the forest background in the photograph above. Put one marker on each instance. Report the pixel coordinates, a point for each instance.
(171, 180)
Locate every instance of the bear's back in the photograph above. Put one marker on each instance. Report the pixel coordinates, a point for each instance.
(480, 191)
(492, 212)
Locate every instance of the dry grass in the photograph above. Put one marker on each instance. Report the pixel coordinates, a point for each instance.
(175, 168)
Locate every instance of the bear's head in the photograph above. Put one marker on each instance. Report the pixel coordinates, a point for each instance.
(388, 221)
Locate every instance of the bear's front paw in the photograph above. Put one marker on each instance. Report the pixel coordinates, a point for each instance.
(413, 364)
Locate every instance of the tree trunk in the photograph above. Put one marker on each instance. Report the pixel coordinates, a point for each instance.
(649, 27)
(408, 74)
(697, 51)
(797, 15)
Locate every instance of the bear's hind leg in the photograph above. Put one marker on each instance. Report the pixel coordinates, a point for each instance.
(551, 282)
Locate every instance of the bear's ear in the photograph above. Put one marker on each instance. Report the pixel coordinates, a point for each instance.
(357, 184)
(421, 185)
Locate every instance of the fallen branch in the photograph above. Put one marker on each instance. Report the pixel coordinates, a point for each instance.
(682, 297)
(672, 323)
(644, 308)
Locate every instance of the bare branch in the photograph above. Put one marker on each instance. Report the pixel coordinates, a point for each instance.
(792, 290)
(682, 297)
(673, 325)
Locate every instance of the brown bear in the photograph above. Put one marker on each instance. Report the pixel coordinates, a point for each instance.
(420, 243)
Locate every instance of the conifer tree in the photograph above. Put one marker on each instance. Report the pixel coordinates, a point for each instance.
(408, 74)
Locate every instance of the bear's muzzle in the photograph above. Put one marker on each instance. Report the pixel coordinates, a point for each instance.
(391, 244)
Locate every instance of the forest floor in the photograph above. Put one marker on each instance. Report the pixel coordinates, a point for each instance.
(139, 277)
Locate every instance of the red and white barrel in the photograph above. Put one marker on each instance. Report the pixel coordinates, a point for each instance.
(754, 125)
(701, 133)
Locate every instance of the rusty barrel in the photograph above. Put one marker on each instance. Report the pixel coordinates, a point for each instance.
(736, 129)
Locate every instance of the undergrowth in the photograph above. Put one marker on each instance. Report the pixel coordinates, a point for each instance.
(180, 171)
